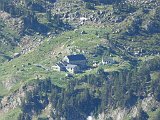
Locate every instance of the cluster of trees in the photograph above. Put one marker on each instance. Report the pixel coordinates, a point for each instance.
(89, 5)
(140, 25)
(106, 90)
(36, 100)
(31, 22)
(13, 9)
(118, 5)
(123, 7)
(135, 27)
(153, 25)
(136, 83)
(103, 1)
(4, 3)
(28, 12)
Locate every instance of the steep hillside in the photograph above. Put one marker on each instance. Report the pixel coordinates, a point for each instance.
(36, 34)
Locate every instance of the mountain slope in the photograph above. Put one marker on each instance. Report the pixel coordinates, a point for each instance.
(42, 32)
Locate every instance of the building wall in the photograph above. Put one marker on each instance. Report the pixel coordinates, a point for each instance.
(80, 63)
(66, 59)
(73, 70)
(70, 70)
(57, 68)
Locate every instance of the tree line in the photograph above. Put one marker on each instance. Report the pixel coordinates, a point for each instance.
(103, 91)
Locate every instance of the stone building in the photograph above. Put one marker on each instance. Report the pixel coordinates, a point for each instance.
(79, 60)
(71, 64)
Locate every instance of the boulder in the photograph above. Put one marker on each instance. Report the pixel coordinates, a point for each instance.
(16, 55)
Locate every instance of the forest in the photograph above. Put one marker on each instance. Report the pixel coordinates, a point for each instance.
(107, 90)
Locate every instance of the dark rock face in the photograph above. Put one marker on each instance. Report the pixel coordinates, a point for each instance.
(52, 1)
(152, 27)
(37, 7)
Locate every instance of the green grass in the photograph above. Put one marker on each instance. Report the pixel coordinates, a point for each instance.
(59, 45)
(3, 90)
(117, 67)
(7, 38)
(42, 56)
(148, 57)
(155, 75)
(19, 69)
(67, 43)
(153, 114)
(11, 114)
